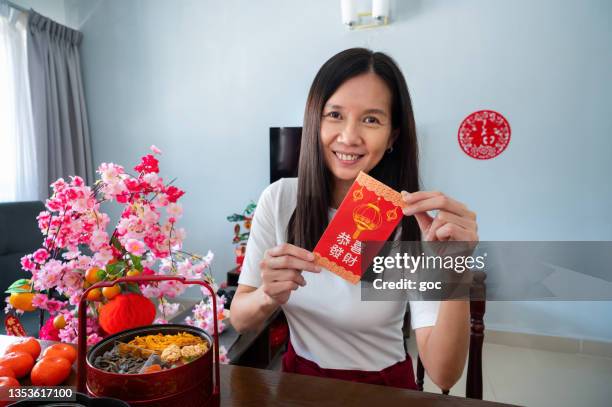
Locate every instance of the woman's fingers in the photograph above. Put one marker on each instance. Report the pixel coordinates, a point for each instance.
(275, 275)
(436, 202)
(281, 287)
(281, 270)
(291, 250)
(290, 262)
(451, 231)
(423, 218)
(442, 218)
(454, 221)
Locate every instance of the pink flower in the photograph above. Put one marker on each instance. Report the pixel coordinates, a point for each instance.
(147, 271)
(150, 291)
(93, 339)
(54, 306)
(48, 331)
(110, 173)
(161, 200)
(175, 210)
(174, 193)
(171, 288)
(185, 268)
(148, 163)
(168, 309)
(43, 220)
(40, 256)
(135, 247)
(40, 301)
(77, 181)
(49, 275)
(27, 263)
(203, 316)
(153, 180)
(98, 239)
(75, 297)
(69, 332)
(59, 185)
(150, 215)
(155, 149)
(72, 253)
(72, 280)
(103, 256)
(223, 358)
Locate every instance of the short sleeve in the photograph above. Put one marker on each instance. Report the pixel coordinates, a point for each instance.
(261, 238)
(423, 313)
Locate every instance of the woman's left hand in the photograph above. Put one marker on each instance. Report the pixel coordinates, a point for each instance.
(454, 221)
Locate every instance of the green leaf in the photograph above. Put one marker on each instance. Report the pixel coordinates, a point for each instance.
(235, 218)
(136, 262)
(16, 290)
(115, 242)
(115, 268)
(19, 283)
(250, 208)
(133, 288)
(110, 268)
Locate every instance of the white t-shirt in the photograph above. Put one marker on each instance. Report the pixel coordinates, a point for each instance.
(328, 322)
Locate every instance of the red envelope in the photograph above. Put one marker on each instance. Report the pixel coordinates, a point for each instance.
(370, 211)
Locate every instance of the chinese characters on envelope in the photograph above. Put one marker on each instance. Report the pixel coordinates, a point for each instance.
(369, 212)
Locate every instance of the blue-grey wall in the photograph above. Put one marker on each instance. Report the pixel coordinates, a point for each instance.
(54, 9)
(204, 80)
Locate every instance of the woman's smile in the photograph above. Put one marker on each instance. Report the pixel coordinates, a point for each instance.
(348, 158)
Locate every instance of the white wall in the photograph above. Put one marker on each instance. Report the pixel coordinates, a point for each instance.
(204, 80)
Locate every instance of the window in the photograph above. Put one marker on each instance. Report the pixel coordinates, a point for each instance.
(18, 171)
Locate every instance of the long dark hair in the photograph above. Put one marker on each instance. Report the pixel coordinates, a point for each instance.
(399, 168)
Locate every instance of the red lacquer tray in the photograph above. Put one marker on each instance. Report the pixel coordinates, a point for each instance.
(184, 386)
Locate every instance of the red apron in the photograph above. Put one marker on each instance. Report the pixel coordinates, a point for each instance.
(399, 375)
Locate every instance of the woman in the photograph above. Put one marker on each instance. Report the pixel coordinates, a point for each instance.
(358, 118)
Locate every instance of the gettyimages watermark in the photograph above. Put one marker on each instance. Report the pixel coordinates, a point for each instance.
(491, 271)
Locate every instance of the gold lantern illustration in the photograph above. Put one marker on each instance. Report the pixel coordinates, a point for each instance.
(366, 217)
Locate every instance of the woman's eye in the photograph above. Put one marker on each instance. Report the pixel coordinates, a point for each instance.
(371, 120)
(334, 115)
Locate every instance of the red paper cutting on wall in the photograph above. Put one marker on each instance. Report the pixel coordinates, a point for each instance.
(484, 134)
(370, 211)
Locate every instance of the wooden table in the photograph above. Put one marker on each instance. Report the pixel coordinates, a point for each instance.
(245, 386)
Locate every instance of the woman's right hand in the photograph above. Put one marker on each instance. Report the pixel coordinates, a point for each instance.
(281, 270)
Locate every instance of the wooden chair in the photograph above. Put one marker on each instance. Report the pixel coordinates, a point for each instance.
(473, 387)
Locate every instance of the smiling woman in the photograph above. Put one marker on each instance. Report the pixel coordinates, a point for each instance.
(358, 105)
(358, 117)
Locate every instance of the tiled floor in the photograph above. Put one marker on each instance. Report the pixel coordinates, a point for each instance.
(533, 377)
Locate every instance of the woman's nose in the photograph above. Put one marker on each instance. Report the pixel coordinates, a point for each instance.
(350, 134)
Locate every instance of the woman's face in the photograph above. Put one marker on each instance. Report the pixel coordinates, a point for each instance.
(356, 126)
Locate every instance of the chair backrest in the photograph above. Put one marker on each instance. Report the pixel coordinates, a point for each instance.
(473, 387)
(19, 235)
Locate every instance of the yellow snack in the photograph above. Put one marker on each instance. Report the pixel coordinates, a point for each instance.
(136, 351)
(193, 351)
(171, 354)
(160, 342)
